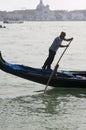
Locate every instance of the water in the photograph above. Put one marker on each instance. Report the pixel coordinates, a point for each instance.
(21, 107)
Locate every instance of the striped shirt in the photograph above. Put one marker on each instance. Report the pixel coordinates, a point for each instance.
(56, 43)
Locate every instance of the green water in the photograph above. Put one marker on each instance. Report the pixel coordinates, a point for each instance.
(55, 110)
(21, 107)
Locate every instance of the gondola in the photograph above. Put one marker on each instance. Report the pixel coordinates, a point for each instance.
(65, 79)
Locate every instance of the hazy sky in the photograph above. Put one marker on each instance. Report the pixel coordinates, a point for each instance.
(31, 4)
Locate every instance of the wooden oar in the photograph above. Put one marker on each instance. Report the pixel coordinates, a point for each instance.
(55, 69)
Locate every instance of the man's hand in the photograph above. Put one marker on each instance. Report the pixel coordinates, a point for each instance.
(67, 45)
(71, 39)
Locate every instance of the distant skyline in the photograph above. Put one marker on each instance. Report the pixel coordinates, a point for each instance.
(10, 5)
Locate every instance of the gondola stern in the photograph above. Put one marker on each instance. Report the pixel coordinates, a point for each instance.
(1, 59)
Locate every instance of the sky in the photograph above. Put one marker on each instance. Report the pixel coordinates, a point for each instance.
(10, 5)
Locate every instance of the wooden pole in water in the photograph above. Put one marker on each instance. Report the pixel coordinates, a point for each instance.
(55, 69)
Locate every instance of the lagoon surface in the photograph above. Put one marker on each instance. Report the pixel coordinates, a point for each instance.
(21, 107)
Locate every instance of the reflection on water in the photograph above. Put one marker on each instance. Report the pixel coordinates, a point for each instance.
(57, 109)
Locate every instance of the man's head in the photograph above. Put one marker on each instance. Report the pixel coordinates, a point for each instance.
(62, 35)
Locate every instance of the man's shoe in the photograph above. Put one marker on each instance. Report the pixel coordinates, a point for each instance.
(43, 67)
(49, 69)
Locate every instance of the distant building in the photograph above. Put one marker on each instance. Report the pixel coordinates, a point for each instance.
(43, 13)
(42, 7)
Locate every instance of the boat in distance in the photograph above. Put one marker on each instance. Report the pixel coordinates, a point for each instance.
(12, 21)
(66, 79)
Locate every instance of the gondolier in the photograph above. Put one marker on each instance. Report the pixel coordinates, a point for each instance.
(53, 49)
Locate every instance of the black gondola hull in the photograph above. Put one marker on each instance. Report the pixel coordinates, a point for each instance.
(72, 79)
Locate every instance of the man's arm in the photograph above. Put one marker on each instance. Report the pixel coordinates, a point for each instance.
(63, 45)
(70, 39)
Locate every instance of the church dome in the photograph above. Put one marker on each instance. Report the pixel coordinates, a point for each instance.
(40, 5)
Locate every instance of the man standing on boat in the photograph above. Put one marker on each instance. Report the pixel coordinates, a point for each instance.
(53, 49)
